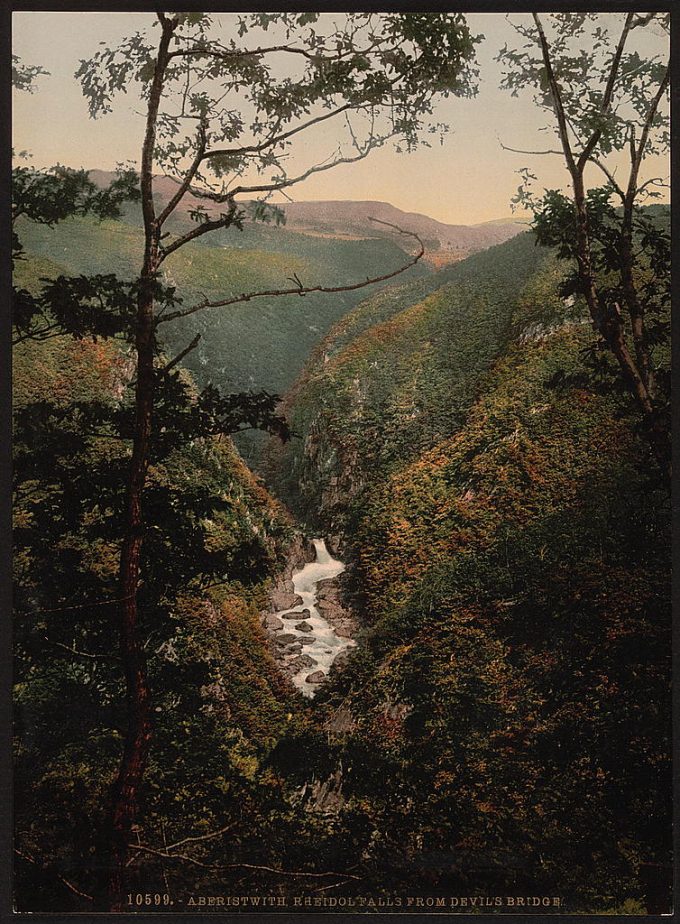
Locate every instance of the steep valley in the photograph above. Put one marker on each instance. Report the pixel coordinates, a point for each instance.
(483, 602)
(491, 505)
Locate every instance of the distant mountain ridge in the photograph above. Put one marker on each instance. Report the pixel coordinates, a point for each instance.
(351, 219)
(354, 218)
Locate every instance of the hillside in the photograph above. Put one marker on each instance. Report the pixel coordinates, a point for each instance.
(352, 218)
(509, 562)
(219, 700)
(261, 344)
(393, 377)
(340, 219)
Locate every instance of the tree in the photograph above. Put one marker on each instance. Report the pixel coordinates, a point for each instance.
(380, 74)
(70, 463)
(605, 101)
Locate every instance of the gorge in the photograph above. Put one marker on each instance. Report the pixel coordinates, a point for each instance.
(440, 698)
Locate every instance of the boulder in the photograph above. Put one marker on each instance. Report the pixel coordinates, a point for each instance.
(286, 638)
(316, 677)
(343, 632)
(302, 662)
(273, 622)
(284, 599)
(306, 640)
(303, 627)
(297, 614)
(307, 661)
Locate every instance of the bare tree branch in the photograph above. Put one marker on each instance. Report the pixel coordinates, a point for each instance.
(222, 866)
(199, 837)
(319, 168)
(80, 606)
(69, 885)
(300, 289)
(654, 181)
(81, 654)
(521, 151)
(180, 356)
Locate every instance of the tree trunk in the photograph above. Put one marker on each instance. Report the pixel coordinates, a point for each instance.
(607, 319)
(125, 791)
(609, 323)
(138, 695)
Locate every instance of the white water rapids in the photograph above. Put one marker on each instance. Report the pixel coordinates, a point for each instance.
(321, 644)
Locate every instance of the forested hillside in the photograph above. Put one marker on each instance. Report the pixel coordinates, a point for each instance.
(507, 532)
(394, 377)
(255, 345)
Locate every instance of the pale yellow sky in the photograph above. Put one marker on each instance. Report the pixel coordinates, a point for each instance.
(466, 180)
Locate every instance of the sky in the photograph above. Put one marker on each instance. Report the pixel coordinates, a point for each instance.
(466, 180)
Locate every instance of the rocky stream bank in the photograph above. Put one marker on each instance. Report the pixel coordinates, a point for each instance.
(309, 627)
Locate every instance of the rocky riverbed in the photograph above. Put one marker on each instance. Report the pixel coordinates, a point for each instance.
(309, 627)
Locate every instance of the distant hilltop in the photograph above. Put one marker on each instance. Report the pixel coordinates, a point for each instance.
(353, 218)
(444, 243)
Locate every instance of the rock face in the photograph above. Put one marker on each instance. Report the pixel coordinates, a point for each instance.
(283, 598)
(272, 622)
(328, 603)
(325, 797)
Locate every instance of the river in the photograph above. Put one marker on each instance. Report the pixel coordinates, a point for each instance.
(320, 643)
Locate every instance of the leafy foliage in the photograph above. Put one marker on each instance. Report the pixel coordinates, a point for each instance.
(214, 537)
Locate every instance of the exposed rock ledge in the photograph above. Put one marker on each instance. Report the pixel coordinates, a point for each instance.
(329, 594)
(283, 596)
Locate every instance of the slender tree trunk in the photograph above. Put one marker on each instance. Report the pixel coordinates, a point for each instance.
(125, 791)
(607, 319)
(138, 695)
(610, 324)
(635, 309)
